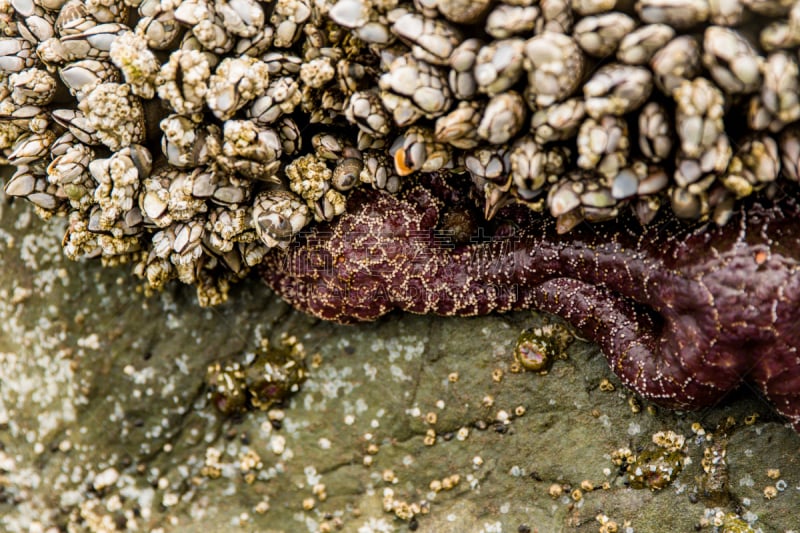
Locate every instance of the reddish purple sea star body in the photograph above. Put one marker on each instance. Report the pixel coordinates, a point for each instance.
(683, 315)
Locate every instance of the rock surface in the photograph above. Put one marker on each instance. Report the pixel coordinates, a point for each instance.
(105, 425)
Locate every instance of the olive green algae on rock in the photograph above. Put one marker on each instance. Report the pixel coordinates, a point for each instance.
(410, 423)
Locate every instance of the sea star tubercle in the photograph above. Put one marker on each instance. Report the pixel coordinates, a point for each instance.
(683, 314)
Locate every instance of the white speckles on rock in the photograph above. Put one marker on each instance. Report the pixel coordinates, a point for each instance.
(105, 479)
(91, 341)
(634, 429)
(277, 444)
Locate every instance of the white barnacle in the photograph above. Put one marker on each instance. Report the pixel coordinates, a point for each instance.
(118, 179)
(115, 113)
(459, 128)
(107, 10)
(139, 66)
(251, 150)
(244, 18)
(183, 79)
(309, 177)
(9, 133)
(237, 81)
(350, 13)
(81, 77)
(555, 66)
(277, 216)
(31, 147)
(502, 118)
(418, 150)
(700, 109)
(16, 54)
(226, 227)
(70, 171)
(617, 89)
(317, 72)
(78, 240)
(365, 110)
(603, 145)
(412, 89)
(186, 142)
(281, 98)
(32, 86)
(288, 18)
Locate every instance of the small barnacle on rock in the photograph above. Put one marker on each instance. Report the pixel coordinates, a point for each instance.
(655, 468)
(538, 347)
(226, 388)
(267, 379)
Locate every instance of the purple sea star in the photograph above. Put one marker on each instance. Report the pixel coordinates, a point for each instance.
(684, 314)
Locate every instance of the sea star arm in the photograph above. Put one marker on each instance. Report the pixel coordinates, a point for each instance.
(778, 379)
(650, 353)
